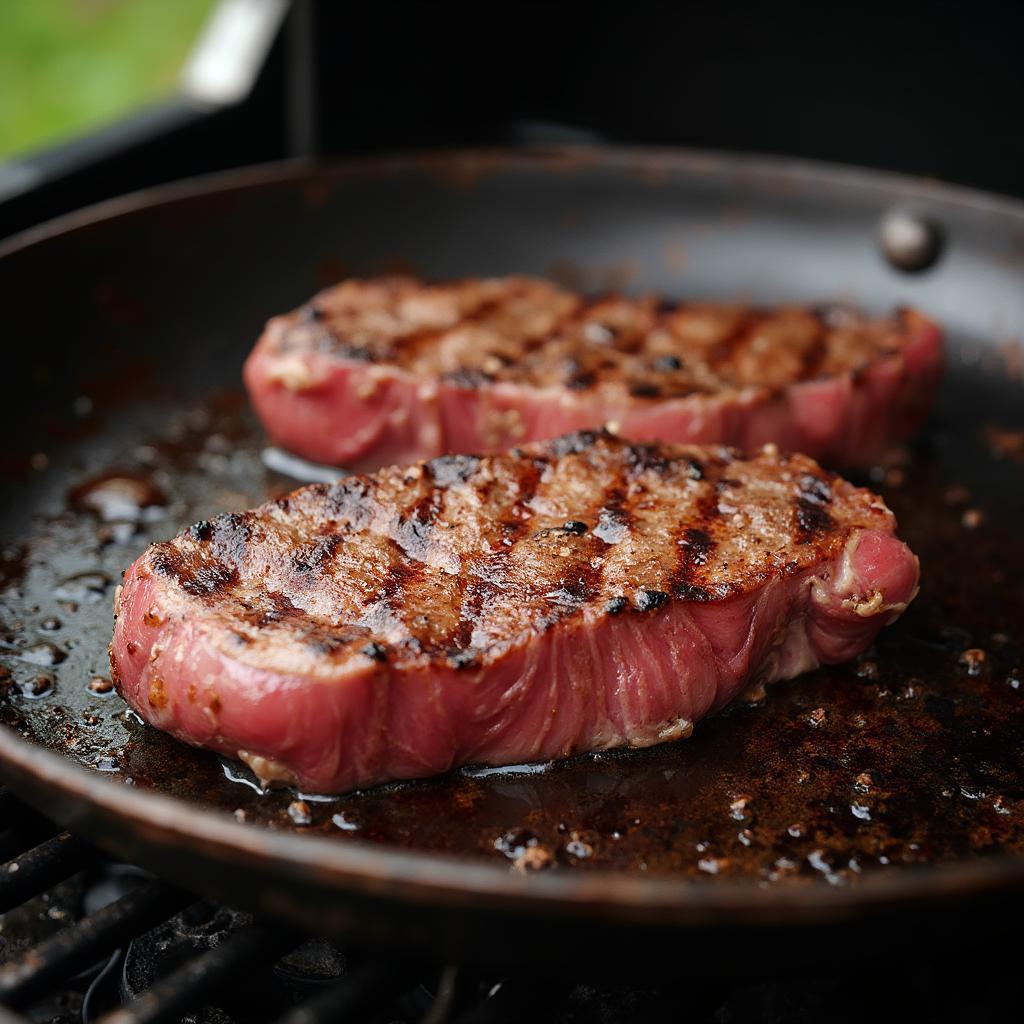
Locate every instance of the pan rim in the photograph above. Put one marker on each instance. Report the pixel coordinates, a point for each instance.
(432, 878)
(708, 162)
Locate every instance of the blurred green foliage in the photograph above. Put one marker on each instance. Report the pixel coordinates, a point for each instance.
(68, 66)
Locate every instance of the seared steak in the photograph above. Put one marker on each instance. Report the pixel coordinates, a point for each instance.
(393, 370)
(581, 594)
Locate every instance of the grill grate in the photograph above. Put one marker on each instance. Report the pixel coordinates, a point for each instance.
(189, 957)
(84, 940)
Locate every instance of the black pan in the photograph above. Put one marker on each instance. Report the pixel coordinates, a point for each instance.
(890, 791)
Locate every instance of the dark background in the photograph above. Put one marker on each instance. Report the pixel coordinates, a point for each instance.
(930, 89)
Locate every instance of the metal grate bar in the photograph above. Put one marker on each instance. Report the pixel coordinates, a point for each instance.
(355, 992)
(72, 950)
(513, 999)
(207, 974)
(33, 872)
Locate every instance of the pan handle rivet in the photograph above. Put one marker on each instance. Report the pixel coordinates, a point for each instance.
(910, 240)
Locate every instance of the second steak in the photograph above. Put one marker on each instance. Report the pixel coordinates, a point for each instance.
(391, 370)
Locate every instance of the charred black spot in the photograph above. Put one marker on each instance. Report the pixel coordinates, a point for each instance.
(697, 546)
(208, 579)
(467, 377)
(230, 535)
(166, 560)
(374, 651)
(310, 558)
(571, 593)
(616, 605)
(576, 443)
(811, 518)
(328, 643)
(580, 381)
(646, 457)
(645, 390)
(666, 364)
(201, 530)
(281, 608)
(348, 499)
(692, 592)
(453, 469)
(648, 600)
(414, 531)
(464, 657)
(694, 469)
(357, 353)
(814, 490)
(194, 575)
(574, 526)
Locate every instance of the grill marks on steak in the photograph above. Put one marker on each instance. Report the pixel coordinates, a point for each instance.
(522, 330)
(462, 553)
(392, 369)
(392, 625)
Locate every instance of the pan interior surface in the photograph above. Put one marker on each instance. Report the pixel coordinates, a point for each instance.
(130, 424)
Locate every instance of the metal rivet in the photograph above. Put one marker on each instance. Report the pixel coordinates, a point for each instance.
(910, 240)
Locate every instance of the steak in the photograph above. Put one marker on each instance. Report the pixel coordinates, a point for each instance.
(580, 594)
(375, 372)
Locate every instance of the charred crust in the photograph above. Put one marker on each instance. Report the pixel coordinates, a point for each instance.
(572, 593)
(616, 605)
(692, 592)
(694, 469)
(467, 377)
(209, 581)
(575, 527)
(200, 531)
(230, 535)
(374, 651)
(581, 381)
(648, 600)
(453, 469)
(645, 390)
(814, 490)
(576, 443)
(697, 546)
(323, 642)
(196, 576)
(811, 519)
(461, 657)
(348, 499)
(642, 458)
(280, 608)
(310, 558)
(666, 364)
(355, 353)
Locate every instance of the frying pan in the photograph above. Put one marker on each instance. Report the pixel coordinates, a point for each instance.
(876, 802)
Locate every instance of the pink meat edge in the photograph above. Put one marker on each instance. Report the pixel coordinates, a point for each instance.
(371, 724)
(346, 413)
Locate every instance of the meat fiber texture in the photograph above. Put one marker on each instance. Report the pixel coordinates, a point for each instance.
(577, 595)
(391, 370)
